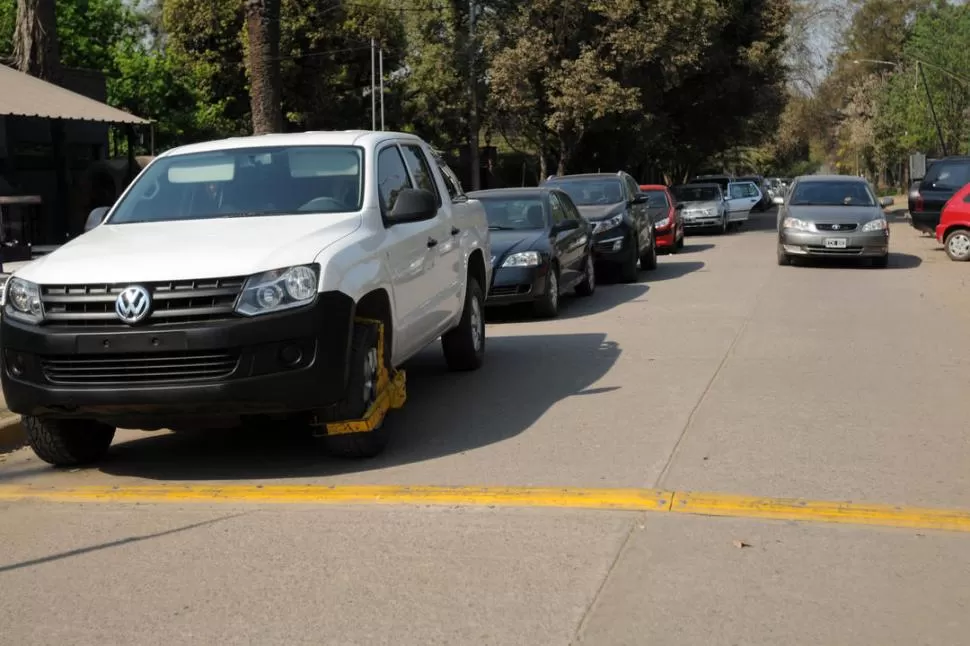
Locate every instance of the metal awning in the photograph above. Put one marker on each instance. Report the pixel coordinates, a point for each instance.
(23, 95)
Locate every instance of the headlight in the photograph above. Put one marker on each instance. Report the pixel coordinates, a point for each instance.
(22, 301)
(708, 212)
(523, 259)
(799, 225)
(280, 289)
(878, 224)
(606, 225)
(660, 224)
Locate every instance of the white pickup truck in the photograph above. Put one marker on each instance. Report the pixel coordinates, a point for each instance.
(234, 281)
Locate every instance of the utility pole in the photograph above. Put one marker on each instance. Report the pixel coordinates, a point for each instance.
(473, 128)
(373, 91)
(382, 85)
(929, 98)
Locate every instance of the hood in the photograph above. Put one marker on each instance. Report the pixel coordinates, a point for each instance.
(836, 214)
(697, 206)
(505, 242)
(190, 249)
(595, 212)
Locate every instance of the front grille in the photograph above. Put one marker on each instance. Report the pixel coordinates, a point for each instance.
(825, 251)
(831, 227)
(169, 367)
(510, 290)
(173, 302)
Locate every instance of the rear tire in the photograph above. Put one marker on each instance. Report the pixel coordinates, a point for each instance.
(957, 245)
(680, 243)
(464, 347)
(648, 261)
(628, 269)
(587, 285)
(360, 396)
(68, 442)
(547, 305)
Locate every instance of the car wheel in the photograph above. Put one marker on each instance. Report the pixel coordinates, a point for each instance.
(783, 258)
(360, 396)
(648, 261)
(464, 347)
(628, 270)
(739, 225)
(957, 245)
(547, 306)
(680, 242)
(724, 226)
(68, 442)
(881, 262)
(587, 285)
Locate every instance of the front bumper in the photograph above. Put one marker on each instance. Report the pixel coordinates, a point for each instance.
(613, 246)
(693, 221)
(666, 237)
(512, 285)
(151, 377)
(857, 243)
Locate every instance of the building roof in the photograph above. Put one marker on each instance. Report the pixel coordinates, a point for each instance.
(22, 95)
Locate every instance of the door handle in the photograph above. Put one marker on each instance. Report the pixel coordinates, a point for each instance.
(455, 231)
(432, 243)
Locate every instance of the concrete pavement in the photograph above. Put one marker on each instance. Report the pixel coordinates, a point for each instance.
(720, 371)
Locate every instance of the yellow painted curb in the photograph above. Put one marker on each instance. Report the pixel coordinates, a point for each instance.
(11, 433)
(651, 500)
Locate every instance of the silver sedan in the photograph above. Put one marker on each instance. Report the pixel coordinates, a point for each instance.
(832, 216)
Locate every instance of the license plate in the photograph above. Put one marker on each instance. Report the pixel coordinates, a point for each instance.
(835, 243)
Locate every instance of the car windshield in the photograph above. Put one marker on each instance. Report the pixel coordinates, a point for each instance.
(245, 182)
(835, 193)
(514, 214)
(656, 199)
(689, 193)
(587, 192)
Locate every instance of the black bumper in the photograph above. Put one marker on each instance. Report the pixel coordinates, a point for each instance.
(274, 364)
(925, 221)
(511, 285)
(613, 246)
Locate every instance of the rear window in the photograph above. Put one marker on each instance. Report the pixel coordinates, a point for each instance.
(656, 199)
(947, 176)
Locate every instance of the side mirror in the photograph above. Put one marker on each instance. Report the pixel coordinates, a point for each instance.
(886, 202)
(779, 200)
(640, 198)
(96, 217)
(413, 205)
(565, 225)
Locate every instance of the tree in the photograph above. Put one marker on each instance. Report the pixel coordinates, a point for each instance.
(36, 49)
(263, 65)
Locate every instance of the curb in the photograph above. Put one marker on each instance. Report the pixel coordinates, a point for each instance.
(11, 432)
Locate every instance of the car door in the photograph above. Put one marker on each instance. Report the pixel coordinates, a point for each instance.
(943, 179)
(411, 256)
(446, 270)
(569, 244)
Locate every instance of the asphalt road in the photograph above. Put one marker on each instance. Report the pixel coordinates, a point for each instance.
(720, 371)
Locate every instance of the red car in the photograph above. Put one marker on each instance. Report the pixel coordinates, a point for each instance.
(668, 224)
(953, 231)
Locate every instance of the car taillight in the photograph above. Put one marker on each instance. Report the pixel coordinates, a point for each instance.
(919, 203)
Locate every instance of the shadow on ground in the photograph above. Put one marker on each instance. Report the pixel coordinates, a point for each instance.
(897, 260)
(606, 297)
(671, 268)
(447, 413)
(694, 247)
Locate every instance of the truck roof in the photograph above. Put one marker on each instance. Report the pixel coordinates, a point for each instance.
(365, 138)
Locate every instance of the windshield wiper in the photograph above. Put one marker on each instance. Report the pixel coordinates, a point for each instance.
(499, 227)
(246, 214)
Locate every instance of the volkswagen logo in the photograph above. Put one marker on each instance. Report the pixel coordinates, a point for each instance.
(133, 304)
(836, 227)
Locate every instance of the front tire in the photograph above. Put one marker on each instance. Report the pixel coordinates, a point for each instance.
(628, 269)
(464, 347)
(587, 285)
(547, 306)
(648, 261)
(68, 442)
(362, 392)
(957, 245)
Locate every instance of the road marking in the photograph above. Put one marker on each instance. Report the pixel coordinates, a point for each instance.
(651, 500)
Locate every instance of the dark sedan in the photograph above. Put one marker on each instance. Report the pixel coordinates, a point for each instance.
(541, 247)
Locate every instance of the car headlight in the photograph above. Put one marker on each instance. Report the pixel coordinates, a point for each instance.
(708, 212)
(879, 224)
(660, 224)
(797, 224)
(606, 225)
(22, 300)
(280, 289)
(523, 259)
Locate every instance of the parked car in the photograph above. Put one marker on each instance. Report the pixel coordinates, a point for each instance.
(668, 223)
(704, 206)
(541, 247)
(743, 196)
(764, 202)
(833, 216)
(720, 180)
(953, 231)
(248, 278)
(622, 229)
(944, 178)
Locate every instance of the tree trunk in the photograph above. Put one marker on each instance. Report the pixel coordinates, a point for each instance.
(543, 167)
(263, 63)
(36, 49)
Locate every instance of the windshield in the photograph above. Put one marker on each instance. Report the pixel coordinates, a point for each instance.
(837, 193)
(688, 193)
(656, 199)
(586, 192)
(512, 214)
(246, 182)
